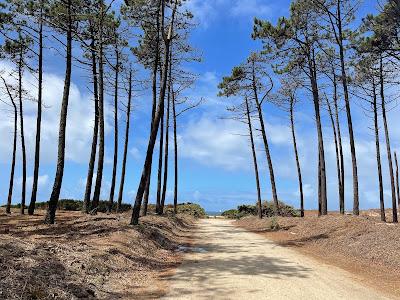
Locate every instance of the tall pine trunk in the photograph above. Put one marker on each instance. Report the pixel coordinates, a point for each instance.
(397, 179)
(100, 162)
(115, 161)
(157, 118)
(21, 119)
(166, 151)
(335, 137)
(388, 149)
(356, 202)
(92, 160)
(378, 153)
(160, 166)
(128, 115)
(14, 152)
(31, 208)
(296, 153)
(175, 155)
(55, 194)
(253, 151)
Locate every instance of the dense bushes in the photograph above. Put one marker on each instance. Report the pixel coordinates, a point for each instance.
(268, 210)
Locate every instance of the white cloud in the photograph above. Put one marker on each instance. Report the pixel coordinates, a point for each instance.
(79, 123)
(252, 8)
(135, 152)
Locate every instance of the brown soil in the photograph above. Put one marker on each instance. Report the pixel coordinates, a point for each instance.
(363, 245)
(88, 257)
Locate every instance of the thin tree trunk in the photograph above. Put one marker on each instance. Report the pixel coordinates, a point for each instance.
(378, 155)
(128, 114)
(100, 162)
(166, 151)
(55, 194)
(339, 172)
(31, 208)
(339, 135)
(397, 179)
(157, 118)
(160, 165)
(115, 162)
(21, 119)
(389, 151)
(92, 160)
(322, 193)
(253, 151)
(11, 185)
(175, 156)
(265, 139)
(356, 202)
(297, 158)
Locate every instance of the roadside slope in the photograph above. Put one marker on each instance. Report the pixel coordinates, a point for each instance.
(232, 263)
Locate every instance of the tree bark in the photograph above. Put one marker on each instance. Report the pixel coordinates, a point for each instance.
(128, 113)
(297, 158)
(339, 134)
(55, 194)
(115, 161)
(356, 202)
(175, 156)
(31, 208)
(157, 117)
(338, 168)
(12, 171)
(265, 140)
(160, 166)
(21, 119)
(253, 151)
(92, 160)
(378, 154)
(322, 191)
(100, 162)
(389, 151)
(166, 151)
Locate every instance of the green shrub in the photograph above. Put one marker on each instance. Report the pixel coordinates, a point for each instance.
(191, 209)
(230, 214)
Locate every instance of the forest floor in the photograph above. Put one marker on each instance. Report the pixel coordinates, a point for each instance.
(364, 246)
(89, 257)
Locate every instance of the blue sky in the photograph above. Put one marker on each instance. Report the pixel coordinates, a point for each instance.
(215, 160)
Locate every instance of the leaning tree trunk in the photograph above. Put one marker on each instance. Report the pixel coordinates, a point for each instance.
(154, 106)
(159, 208)
(55, 194)
(100, 162)
(92, 160)
(338, 168)
(31, 208)
(356, 202)
(166, 151)
(12, 171)
(21, 119)
(297, 158)
(339, 136)
(115, 161)
(128, 114)
(253, 151)
(265, 140)
(389, 151)
(154, 130)
(378, 154)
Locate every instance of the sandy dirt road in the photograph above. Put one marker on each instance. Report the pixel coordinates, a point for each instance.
(232, 263)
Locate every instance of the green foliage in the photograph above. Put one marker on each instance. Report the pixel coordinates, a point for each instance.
(191, 209)
(268, 210)
(274, 225)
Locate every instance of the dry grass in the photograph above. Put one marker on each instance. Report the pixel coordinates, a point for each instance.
(362, 245)
(88, 257)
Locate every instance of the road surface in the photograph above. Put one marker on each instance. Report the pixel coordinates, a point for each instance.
(232, 263)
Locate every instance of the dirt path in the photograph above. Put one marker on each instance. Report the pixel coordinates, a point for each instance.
(232, 263)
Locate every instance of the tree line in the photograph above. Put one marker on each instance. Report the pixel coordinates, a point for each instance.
(112, 43)
(323, 51)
